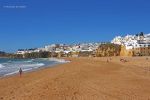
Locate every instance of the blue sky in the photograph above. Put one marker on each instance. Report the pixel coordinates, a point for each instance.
(43, 22)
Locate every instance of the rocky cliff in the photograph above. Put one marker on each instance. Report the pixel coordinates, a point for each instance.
(108, 49)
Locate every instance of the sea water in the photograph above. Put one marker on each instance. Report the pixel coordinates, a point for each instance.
(10, 66)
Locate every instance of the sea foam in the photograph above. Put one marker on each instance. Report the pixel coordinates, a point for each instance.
(1, 66)
(30, 65)
(58, 60)
(12, 66)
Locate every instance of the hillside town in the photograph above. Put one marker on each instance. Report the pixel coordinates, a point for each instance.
(129, 45)
(64, 50)
(134, 45)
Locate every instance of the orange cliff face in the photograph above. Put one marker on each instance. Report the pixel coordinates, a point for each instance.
(125, 52)
(108, 50)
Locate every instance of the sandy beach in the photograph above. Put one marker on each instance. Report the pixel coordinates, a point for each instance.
(82, 79)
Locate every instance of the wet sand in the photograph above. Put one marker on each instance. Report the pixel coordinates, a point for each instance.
(82, 79)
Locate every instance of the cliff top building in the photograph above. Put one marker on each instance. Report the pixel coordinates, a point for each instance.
(133, 45)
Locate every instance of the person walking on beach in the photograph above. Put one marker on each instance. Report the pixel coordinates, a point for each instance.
(20, 72)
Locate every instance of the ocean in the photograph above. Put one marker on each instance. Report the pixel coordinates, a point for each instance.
(10, 66)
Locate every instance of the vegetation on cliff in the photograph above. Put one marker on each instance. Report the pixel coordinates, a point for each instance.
(108, 49)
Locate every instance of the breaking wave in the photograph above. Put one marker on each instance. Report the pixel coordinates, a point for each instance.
(1, 66)
(12, 66)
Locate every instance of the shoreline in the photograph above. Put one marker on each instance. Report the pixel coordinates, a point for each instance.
(58, 60)
(30, 71)
(82, 78)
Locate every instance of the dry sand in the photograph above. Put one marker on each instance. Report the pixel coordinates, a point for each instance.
(82, 79)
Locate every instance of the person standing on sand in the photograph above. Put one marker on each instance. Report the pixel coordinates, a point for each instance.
(110, 58)
(107, 61)
(20, 72)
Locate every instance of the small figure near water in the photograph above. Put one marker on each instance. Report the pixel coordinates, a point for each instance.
(20, 72)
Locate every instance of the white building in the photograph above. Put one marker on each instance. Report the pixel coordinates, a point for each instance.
(138, 44)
